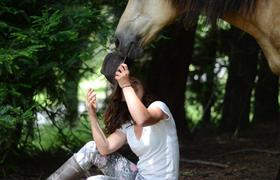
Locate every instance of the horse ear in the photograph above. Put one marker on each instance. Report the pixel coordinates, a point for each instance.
(110, 66)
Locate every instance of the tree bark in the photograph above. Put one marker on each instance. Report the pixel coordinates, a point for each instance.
(208, 98)
(278, 175)
(70, 98)
(168, 73)
(241, 76)
(266, 106)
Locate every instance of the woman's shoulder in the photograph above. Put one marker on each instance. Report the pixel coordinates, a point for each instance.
(159, 104)
(163, 107)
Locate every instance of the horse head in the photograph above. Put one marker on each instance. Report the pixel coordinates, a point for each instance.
(143, 19)
(140, 22)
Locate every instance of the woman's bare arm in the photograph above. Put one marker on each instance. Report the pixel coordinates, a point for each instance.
(104, 145)
(141, 115)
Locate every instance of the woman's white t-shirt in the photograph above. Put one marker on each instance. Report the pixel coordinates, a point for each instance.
(157, 149)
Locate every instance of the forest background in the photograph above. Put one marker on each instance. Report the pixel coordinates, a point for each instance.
(213, 77)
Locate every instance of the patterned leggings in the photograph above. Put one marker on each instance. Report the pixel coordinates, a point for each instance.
(113, 166)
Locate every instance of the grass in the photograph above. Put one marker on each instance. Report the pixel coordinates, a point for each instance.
(50, 138)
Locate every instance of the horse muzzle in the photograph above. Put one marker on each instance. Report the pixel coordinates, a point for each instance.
(128, 45)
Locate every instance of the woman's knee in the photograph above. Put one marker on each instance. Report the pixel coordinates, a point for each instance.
(86, 155)
(90, 145)
(101, 177)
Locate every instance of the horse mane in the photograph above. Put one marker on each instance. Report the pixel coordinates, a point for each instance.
(213, 9)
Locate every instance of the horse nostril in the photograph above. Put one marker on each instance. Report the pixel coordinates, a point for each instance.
(117, 42)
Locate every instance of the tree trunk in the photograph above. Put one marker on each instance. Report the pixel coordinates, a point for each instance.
(70, 99)
(266, 107)
(168, 73)
(208, 98)
(241, 76)
(278, 175)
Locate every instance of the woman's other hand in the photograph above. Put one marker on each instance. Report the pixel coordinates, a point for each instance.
(122, 76)
(91, 102)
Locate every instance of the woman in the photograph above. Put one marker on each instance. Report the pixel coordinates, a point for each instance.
(148, 128)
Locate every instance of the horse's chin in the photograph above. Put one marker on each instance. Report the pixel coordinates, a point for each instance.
(132, 53)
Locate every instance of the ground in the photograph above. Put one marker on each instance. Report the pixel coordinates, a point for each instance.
(254, 155)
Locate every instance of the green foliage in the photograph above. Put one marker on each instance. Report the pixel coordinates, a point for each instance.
(12, 119)
(45, 47)
(67, 139)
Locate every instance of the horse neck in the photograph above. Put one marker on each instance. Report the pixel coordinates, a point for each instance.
(262, 24)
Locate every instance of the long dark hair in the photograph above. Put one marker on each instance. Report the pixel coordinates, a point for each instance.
(117, 113)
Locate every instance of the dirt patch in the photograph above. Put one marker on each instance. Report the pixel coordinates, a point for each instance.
(254, 155)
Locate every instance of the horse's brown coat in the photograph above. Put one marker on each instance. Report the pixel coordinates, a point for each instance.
(145, 18)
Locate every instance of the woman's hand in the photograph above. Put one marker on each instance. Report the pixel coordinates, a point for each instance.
(91, 102)
(122, 76)
(104, 145)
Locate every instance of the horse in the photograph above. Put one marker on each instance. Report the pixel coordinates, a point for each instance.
(142, 20)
